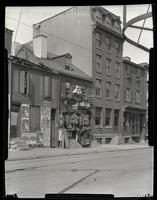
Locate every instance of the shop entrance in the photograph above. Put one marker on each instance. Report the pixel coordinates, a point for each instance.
(53, 135)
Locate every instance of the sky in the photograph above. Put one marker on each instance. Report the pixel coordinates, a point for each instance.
(23, 31)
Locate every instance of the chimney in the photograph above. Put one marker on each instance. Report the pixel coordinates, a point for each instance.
(40, 46)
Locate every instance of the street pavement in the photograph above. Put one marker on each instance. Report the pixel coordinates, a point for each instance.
(122, 170)
(52, 152)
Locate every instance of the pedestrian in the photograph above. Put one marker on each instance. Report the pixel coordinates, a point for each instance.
(60, 137)
(66, 139)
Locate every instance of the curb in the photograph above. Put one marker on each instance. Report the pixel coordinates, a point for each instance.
(79, 153)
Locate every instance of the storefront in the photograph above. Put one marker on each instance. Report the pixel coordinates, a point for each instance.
(134, 124)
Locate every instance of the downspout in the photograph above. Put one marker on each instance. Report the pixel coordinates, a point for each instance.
(9, 100)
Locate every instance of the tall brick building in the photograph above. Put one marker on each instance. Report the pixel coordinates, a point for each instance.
(92, 35)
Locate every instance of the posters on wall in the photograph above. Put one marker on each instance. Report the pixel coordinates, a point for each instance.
(24, 118)
(45, 124)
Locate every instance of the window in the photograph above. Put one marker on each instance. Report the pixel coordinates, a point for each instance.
(98, 119)
(98, 16)
(128, 95)
(117, 47)
(34, 118)
(116, 27)
(98, 63)
(137, 96)
(47, 87)
(98, 40)
(108, 43)
(15, 81)
(108, 117)
(23, 82)
(117, 92)
(116, 117)
(108, 24)
(108, 90)
(67, 88)
(98, 87)
(108, 66)
(67, 67)
(84, 91)
(117, 70)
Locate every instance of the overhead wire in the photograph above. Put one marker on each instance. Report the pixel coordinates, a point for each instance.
(143, 25)
(52, 35)
(17, 27)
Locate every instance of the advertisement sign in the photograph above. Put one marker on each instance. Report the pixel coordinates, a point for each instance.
(25, 124)
(46, 124)
(24, 117)
(25, 110)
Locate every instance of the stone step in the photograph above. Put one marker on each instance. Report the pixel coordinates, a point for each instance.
(18, 144)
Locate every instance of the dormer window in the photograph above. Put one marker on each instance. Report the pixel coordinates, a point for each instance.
(67, 67)
(98, 16)
(116, 26)
(108, 22)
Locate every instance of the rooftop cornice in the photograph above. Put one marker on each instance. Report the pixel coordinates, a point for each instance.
(104, 28)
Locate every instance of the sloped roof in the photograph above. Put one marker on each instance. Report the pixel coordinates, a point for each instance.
(53, 65)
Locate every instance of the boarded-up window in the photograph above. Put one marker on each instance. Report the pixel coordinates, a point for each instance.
(34, 118)
(47, 87)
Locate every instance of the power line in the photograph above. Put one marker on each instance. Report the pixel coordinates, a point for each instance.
(52, 35)
(143, 25)
(17, 26)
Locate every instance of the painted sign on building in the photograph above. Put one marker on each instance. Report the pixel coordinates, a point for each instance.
(46, 124)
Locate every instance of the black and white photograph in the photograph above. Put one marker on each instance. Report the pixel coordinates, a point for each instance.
(78, 90)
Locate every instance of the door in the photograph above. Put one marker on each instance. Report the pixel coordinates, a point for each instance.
(53, 134)
(14, 121)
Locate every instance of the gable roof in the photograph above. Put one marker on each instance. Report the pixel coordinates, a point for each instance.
(51, 64)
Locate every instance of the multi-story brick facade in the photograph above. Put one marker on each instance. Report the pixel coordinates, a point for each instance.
(92, 35)
(134, 100)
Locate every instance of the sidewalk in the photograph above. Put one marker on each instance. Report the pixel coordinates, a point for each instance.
(43, 152)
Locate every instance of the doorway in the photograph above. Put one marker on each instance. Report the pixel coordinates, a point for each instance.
(53, 132)
(14, 121)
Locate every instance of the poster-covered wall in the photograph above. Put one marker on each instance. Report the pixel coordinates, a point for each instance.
(46, 124)
(24, 118)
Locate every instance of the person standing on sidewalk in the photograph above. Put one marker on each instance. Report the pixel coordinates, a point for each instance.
(66, 139)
